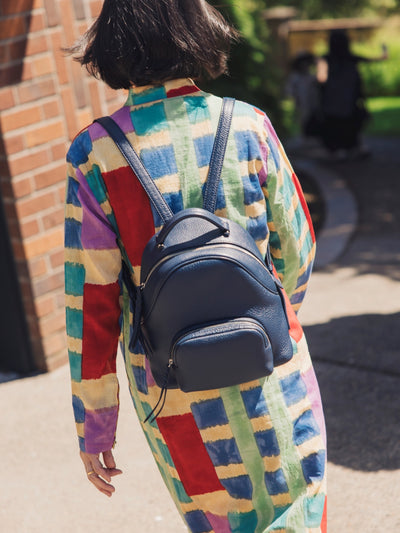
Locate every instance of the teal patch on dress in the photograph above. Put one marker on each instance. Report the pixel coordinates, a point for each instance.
(74, 279)
(148, 120)
(75, 365)
(243, 522)
(96, 184)
(197, 109)
(74, 322)
(313, 510)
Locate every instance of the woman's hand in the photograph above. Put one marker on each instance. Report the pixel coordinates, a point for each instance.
(100, 475)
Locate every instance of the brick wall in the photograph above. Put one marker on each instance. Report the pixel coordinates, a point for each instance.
(45, 99)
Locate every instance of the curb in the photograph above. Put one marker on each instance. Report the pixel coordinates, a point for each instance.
(341, 213)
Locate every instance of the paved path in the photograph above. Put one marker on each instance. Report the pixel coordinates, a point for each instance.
(352, 321)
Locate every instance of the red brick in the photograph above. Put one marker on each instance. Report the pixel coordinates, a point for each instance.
(49, 177)
(24, 163)
(42, 245)
(12, 120)
(85, 118)
(57, 360)
(69, 112)
(11, 74)
(53, 219)
(59, 57)
(68, 21)
(35, 91)
(52, 13)
(61, 192)
(22, 187)
(14, 229)
(6, 99)
(44, 134)
(14, 144)
(51, 109)
(95, 98)
(32, 206)
(18, 250)
(59, 150)
(44, 305)
(57, 258)
(17, 50)
(36, 22)
(95, 7)
(54, 322)
(12, 27)
(27, 70)
(4, 54)
(53, 344)
(79, 9)
(28, 229)
(16, 6)
(36, 44)
(42, 65)
(48, 284)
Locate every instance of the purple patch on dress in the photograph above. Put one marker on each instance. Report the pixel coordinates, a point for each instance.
(149, 375)
(219, 523)
(100, 427)
(314, 395)
(122, 117)
(263, 173)
(270, 129)
(97, 233)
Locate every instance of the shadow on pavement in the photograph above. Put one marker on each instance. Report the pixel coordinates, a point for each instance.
(360, 389)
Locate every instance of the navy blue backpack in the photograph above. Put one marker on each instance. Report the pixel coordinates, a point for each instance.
(209, 311)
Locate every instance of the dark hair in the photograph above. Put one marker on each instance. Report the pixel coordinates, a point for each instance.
(141, 42)
(339, 44)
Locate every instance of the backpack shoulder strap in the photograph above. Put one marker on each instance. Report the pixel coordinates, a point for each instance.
(133, 160)
(218, 154)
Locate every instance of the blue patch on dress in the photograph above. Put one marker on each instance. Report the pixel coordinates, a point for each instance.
(276, 482)
(254, 402)
(305, 428)
(257, 227)
(267, 443)
(197, 522)
(252, 189)
(79, 149)
(72, 192)
(293, 388)
(247, 145)
(223, 452)
(73, 233)
(238, 487)
(159, 162)
(209, 413)
(203, 147)
(314, 467)
(79, 409)
(140, 378)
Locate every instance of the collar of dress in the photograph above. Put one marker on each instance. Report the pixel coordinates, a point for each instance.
(153, 93)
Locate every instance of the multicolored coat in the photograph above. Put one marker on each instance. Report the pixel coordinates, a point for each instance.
(243, 459)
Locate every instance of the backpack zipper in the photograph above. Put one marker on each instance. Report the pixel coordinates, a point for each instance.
(232, 246)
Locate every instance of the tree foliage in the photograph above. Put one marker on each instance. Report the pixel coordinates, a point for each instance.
(253, 75)
(316, 9)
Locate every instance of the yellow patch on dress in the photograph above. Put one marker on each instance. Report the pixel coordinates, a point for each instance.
(279, 500)
(215, 433)
(102, 266)
(74, 302)
(74, 344)
(97, 393)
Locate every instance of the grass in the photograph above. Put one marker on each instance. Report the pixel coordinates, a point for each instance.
(385, 116)
(384, 120)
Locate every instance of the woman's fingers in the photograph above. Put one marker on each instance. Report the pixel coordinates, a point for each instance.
(109, 462)
(99, 475)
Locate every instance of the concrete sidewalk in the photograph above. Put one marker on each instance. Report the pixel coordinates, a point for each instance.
(351, 317)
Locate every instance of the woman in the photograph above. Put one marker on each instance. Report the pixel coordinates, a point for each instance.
(239, 459)
(342, 101)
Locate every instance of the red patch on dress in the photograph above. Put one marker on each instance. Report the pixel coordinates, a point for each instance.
(132, 211)
(101, 312)
(189, 454)
(181, 91)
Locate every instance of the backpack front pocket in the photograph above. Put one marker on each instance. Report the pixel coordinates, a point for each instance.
(221, 355)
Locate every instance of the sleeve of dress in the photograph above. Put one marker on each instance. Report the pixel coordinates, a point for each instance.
(292, 239)
(92, 291)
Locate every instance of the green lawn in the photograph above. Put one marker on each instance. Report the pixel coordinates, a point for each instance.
(385, 116)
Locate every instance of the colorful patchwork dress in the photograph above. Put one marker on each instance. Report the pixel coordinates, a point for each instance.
(243, 459)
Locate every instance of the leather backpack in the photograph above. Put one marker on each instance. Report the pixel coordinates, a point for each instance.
(209, 310)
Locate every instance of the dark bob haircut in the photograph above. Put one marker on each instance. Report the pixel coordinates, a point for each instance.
(143, 42)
